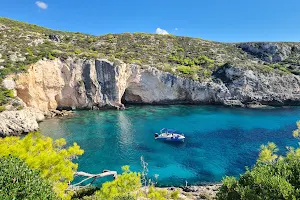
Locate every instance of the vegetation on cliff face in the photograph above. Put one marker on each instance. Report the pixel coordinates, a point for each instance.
(273, 176)
(23, 44)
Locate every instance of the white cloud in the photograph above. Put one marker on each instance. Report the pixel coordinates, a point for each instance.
(161, 31)
(176, 29)
(41, 4)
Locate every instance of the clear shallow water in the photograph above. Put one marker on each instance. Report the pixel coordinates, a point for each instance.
(219, 141)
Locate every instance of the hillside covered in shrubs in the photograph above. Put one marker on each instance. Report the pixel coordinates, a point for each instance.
(23, 44)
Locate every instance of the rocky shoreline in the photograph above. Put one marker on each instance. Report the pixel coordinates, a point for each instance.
(199, 192)
(208, 191)
(15, 123)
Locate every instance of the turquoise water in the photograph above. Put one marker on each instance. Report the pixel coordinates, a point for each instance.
(219, 141)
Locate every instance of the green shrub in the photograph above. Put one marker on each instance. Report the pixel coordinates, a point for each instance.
(135, 61)
(77, 51)
(124, 197)
(126, 183)
(266, 68)
(2, 108)
(179, 49)
(267, 181)
(207, 73)
(175, 194)
(5, 95)
(85, 192)
(157, 194)
(10, 93)
(272, 177)
(185, 69)
(284, 69)
(48, 156)
(50, 57)
(18, 181)
(29, 52)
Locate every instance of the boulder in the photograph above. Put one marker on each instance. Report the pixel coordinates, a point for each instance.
(9, 84)
(54, 38)
(14, 123)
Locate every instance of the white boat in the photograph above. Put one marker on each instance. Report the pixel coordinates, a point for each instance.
(169, 135)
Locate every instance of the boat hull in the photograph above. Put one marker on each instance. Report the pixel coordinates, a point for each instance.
(170, 140)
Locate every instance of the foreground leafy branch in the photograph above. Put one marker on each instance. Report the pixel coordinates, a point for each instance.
(18, 181)
(49, 157)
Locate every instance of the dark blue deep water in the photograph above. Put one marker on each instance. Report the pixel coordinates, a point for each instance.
(219, 141)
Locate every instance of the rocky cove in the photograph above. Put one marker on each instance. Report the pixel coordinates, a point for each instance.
(87, 88)
(97, 84)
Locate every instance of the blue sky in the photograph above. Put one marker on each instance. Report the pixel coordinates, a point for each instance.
(220, 20)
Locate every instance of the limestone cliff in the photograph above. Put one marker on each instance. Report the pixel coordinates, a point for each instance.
(93, 84)
(79, 84)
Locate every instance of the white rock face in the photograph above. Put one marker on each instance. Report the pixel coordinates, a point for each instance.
(270, 89)
(18, 122)
(73, 84)
(270, 52)
(155, 86)
(92, 84)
